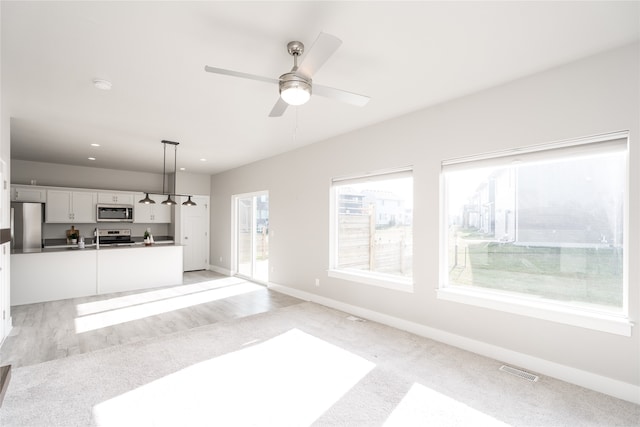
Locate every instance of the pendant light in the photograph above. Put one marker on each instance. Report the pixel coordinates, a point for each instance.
(189, 202)
(147, 200)
(169, 202)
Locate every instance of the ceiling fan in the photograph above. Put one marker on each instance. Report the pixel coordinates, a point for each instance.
(296, 85)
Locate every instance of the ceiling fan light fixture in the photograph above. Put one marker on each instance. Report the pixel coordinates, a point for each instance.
(294, 90)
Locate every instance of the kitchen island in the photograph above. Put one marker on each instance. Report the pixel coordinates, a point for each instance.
(54, 274)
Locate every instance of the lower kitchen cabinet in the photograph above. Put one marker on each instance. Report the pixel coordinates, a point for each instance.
(50, 276)
(72, 273)
(126, 269)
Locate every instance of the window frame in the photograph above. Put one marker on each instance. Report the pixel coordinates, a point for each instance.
(388, 281)
(528, 305)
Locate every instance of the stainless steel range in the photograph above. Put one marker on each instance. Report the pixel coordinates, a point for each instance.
(115, 237)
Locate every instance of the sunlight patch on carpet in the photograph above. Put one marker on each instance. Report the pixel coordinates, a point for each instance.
(423, 406)
(126, 314)
(291, 379)
(155, 295)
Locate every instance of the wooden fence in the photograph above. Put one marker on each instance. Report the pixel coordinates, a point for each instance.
(361, 246)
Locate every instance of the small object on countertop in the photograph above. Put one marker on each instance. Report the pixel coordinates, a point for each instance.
(71, 233)
(147, 238)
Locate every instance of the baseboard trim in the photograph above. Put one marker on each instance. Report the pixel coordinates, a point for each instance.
(220, 270)
(599, 383)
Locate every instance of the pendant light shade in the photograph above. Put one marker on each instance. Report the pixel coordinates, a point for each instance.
(169, 201)
(189, 202)
(147, 200)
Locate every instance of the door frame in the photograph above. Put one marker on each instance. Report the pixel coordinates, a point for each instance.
(234, 234)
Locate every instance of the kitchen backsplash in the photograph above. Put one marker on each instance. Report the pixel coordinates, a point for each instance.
(57, 231)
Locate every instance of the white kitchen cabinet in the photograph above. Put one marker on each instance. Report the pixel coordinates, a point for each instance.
(59, 275)
(82, 272)
(28, 193)
(116, 198)
(70, 206)
(126, 269)
(151, 214)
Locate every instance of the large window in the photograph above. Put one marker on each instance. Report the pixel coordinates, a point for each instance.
(372, 239)
(541, 227)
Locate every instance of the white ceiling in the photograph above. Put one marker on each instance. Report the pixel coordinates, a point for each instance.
(404, 55)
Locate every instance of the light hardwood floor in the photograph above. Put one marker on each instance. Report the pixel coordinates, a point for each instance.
(57, 329)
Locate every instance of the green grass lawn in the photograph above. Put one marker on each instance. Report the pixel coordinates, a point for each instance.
(591, 276)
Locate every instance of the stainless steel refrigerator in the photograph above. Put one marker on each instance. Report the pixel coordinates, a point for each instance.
(26, 226)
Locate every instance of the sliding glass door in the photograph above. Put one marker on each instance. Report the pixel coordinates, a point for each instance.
(252, 236)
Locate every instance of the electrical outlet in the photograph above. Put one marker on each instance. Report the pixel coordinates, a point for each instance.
(317, 282)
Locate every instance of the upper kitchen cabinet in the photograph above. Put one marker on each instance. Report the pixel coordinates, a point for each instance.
(116, 198)
(71, 206)
(28, 193)
(152, 213)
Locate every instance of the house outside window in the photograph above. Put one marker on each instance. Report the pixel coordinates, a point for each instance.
(542, 228)
(372, 233)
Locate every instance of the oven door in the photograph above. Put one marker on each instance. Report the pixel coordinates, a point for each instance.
(114, 213)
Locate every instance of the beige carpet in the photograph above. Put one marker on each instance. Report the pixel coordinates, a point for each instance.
(300, 365)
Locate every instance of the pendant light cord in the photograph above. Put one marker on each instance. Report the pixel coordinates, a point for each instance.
(164, 164)
(175, 168)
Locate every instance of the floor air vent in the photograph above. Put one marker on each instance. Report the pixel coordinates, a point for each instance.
(519, 373)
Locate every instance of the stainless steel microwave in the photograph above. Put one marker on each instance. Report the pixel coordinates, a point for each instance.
(114, 213)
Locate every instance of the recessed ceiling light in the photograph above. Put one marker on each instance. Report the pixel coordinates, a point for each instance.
(95, 145)
(102, 84)
(91, 158)
(203, 160)
(183, 169)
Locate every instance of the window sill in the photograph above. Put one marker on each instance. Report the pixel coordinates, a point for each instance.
(611, 323)
(383, 281)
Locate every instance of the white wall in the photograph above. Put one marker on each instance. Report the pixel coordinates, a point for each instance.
(53, 174)
(596, 95)
(58, 175)
(193, 183)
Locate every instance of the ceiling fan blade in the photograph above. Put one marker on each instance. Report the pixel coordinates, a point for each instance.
(324, 46)
(278, 109)
(239, 74)
(341, 95)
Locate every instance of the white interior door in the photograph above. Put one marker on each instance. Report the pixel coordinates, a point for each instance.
(252, 236)
(195, 234)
